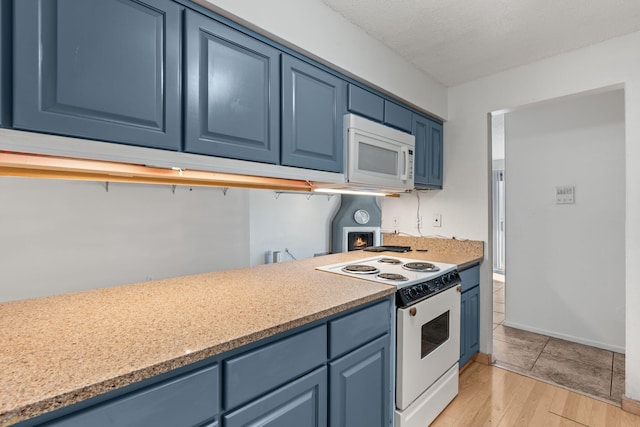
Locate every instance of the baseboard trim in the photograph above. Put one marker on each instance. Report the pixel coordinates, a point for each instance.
(483, 358)
(630, 405)
(466, 365)
(604, 346)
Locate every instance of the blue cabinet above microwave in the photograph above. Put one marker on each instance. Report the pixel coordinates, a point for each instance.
(372, 106)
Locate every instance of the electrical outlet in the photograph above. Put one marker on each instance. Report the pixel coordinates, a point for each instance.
(396, 224)
(437, 220)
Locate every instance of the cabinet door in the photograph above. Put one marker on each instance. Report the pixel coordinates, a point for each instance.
(428, 154)
(301, 403)
(474, 321)
(233, 93)
(434, 155)
(469, 324)
(397, 116)
(313, 106)
(359, 387)
(99, 69)
(5, 58)
(464, 346)
(365, 103)
(186, 401)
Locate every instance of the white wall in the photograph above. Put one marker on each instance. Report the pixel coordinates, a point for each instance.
(464, 203)
(565, 263)
(311, 27)
(297, 222)
(61, 236)
(497, 138)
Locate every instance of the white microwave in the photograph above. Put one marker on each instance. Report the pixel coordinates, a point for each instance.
(377, 156)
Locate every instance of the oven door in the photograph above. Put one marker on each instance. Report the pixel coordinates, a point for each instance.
(428, 342)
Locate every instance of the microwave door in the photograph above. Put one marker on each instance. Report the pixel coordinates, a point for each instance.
(373, 161)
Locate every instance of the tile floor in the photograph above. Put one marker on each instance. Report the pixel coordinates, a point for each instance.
(589, 370)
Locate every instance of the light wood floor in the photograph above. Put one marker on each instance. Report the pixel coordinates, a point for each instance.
(491, 396)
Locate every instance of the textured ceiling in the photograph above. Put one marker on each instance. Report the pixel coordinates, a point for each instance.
(456, 41)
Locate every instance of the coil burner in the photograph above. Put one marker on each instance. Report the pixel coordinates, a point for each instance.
(425, 267)
(393, 277)
(360, 269)
(389, 261)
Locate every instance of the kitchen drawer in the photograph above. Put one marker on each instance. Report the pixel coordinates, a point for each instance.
(397, 116)
(358, 328)
(186, 401)
(470, 278)
(365, 103)
(301, 403)
(266, 368)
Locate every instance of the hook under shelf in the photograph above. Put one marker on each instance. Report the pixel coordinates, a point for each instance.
(300, 193)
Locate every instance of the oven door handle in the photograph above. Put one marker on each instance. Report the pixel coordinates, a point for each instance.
(413, 311)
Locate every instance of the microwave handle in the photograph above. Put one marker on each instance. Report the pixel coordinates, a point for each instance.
(405, 163)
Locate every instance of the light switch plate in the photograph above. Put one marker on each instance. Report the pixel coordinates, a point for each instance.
(565, 195)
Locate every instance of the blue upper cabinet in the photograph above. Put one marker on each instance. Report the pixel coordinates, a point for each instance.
(428, 153)
(99, 69)
(5, 57)
(232, 93)
(313, 106)
(397, 116)
(365, 103)
(374, 107)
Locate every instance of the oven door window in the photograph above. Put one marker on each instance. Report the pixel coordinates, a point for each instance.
(434, 334)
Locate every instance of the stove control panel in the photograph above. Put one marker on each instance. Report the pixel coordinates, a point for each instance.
(417, 292)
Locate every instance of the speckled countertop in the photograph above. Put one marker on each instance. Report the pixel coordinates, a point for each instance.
(59, 350)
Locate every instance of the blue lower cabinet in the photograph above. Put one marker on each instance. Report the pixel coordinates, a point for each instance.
(187, 401)
(301, 403)
(470, 314)
(288, 380)
(313, 106)
(283, 360)
(233, 93)
(350, 332)
(359, 387)
(99, 69)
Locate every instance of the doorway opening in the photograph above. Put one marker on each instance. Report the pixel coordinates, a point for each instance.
(558, 200)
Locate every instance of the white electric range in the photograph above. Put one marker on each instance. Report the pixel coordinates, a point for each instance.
(427, 331)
